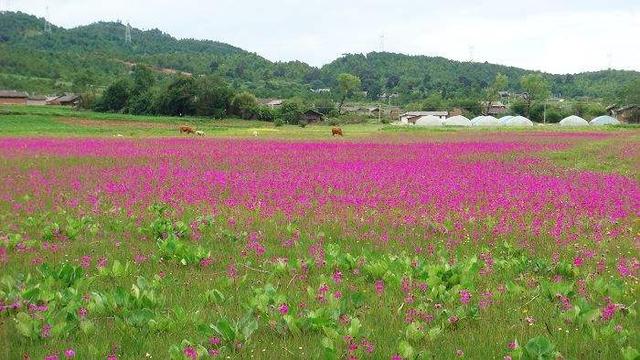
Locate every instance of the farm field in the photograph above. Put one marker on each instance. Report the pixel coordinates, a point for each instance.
(388, 243)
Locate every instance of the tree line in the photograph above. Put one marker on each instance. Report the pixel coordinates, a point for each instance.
(144, 92)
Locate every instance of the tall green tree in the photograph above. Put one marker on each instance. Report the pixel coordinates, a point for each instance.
(630, 93)
(537, 89)
(179, 98)
(348, 84)
(143, 79)
(244, 104)
(434, 102)
(214, 97)
(116, 97)
(492, 93)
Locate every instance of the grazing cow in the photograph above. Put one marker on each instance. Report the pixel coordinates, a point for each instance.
(336, 131)
(200, 133)
(187, 130)
(255, 133)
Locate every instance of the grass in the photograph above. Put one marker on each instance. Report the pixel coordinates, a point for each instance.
(174, 312)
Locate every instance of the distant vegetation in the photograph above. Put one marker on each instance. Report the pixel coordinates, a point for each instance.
(88, 59)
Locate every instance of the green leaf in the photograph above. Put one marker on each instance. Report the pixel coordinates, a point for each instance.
(87, 327)
(413, 332)
(224, 329)
(291, 324)
(24, 325)
(249, 328)
(354, 327)
(434, 332)
(539, 348)
(327, 343)
(58, 329)
(630, 353)
(406, 350)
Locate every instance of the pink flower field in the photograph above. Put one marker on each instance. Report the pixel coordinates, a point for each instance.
(371, 249)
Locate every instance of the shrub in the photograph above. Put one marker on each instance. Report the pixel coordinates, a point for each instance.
(291, 111)
(115, 98)
(333, 122)
(265, 113)
(245, 105)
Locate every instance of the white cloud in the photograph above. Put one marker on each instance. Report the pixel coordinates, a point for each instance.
(550, 35)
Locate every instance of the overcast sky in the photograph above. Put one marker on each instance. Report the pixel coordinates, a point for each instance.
(559, 36)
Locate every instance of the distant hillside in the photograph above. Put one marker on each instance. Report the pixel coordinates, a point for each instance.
(35, 61)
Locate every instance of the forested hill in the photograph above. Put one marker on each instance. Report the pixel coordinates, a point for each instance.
(94, 55)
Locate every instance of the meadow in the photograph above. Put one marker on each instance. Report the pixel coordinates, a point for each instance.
(388, 243)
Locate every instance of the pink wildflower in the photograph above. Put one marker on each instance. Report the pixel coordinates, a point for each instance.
(284, 309)
(465, 296)
(69, 353)
(337, 277)
(190, 352)
(379, 286)
(46, 331)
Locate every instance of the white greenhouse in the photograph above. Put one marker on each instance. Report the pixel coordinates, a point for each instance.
(574, 121)
(486, 121)
(458, 120)
(519, 121)
(604, 120)
(503, 120)
(429, 120)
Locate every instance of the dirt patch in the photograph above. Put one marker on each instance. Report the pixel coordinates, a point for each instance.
(116, 124)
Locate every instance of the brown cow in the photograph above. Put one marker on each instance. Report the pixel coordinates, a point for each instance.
(336, 131)
(187, 130)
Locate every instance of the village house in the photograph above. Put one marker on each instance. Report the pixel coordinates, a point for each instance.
(66, 100)
(493, 108)
(627, 114)
(456, 111)
(271, 103)
(11, 97)
(37, 100)
(374, 111)
(275, 103)
(312, 116)
(411, 116)
(319, 91)
(394, 112)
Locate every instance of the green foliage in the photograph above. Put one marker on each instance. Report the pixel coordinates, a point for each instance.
(539, 348)
(116, 97)
(214, 97)
(291, 111)
(348, 84)
(244, 104)
(325, 106)
(33, 61)
(179, 98)
(434, 102)
(537, 89)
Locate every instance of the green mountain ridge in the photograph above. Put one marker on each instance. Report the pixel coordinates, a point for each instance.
(33, 60)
